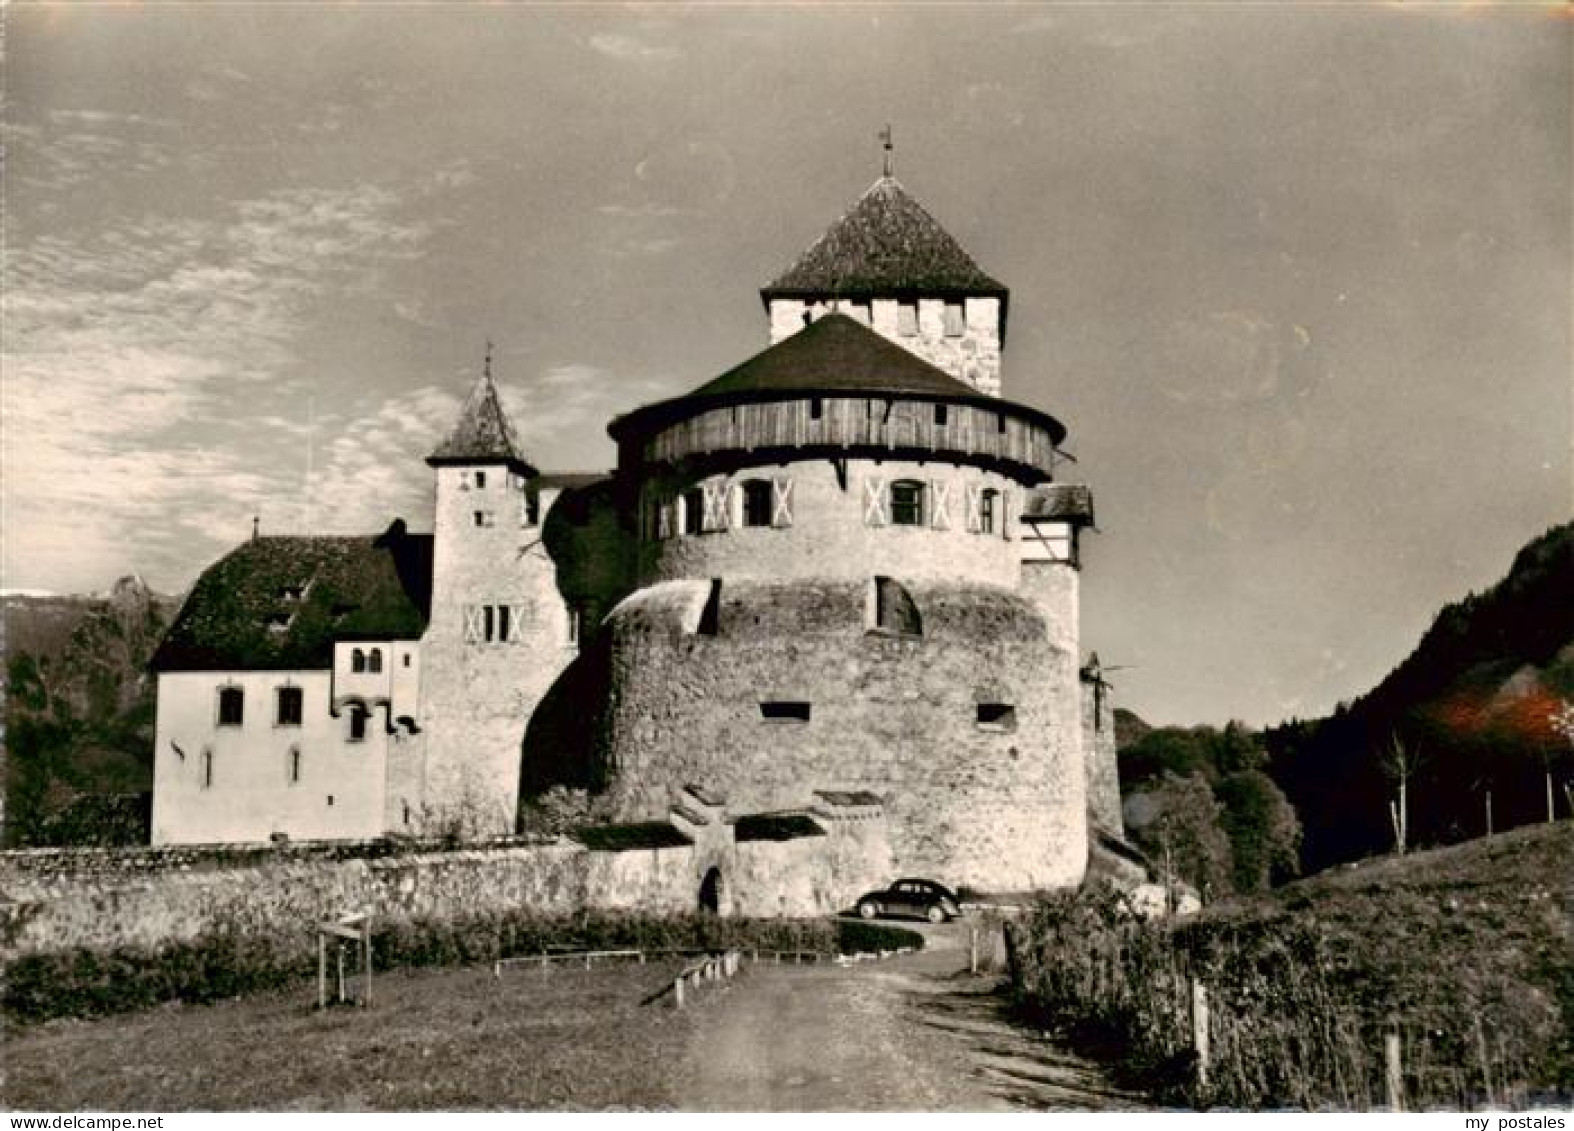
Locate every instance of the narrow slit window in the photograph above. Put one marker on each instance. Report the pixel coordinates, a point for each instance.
(295, 765)
(784, 711)
(207, 769)
(505, 625)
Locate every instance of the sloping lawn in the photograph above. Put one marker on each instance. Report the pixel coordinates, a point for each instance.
(558, 1038)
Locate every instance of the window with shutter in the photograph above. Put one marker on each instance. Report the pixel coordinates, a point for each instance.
(715, 506)
(691, 505)
(988, 504)
(874, 502)
(1007, 512)
(972, 497)
(939, 504)
(907, 503)
(758, 502)
(781, 501)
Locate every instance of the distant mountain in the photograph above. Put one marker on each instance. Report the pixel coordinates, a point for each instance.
(1472, 704)
(79, 708)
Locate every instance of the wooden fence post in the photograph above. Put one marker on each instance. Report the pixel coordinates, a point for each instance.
(1394, 1070)
(677, 991)
(1199, 1030)
(322, 971)
(972, 949)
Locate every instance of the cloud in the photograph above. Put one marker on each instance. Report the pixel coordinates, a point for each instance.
(144, 363)
(616, 46)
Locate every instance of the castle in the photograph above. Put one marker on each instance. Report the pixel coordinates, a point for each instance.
(839, 579)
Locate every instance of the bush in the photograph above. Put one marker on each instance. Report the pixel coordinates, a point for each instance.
(1299, 1004)
(86, 983)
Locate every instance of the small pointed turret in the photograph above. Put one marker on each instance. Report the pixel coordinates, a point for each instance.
(483, 433)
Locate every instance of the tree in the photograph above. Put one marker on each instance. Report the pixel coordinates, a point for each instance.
(1400, 764)
(1177, 824)
(1562, 720)
(1264, 832)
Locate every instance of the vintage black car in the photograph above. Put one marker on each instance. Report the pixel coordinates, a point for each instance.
(918, 899)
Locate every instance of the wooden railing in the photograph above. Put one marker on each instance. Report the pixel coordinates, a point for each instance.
(865, 423)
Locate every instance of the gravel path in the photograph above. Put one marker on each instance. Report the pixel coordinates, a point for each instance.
(915, 1033)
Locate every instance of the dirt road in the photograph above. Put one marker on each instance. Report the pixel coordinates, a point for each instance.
(915, 1033)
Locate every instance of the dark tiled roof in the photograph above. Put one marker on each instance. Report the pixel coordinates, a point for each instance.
(886, 245)
(630, 838)
(1067, 502)
(848, 797)
(835, 354)
(775, 826)
(281, 602)
(482, 433)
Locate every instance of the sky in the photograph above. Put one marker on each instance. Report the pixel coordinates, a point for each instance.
(1296, 278)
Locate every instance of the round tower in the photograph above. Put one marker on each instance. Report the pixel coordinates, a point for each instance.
(830, 568)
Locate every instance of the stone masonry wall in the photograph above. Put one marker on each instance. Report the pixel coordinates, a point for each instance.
(56, 903)
(972, 356)
(477, 695)
(1098, 744)
(830, 535)
(991, 807)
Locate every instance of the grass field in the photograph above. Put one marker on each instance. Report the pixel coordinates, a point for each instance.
(559, 1039)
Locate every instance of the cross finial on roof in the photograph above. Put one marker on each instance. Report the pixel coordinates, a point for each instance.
(885, 138)
(486, 368)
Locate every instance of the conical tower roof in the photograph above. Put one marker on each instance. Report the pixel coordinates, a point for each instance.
(483, 433)
(886, 245)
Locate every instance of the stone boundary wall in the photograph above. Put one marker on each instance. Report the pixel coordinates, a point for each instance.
(59, 900)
